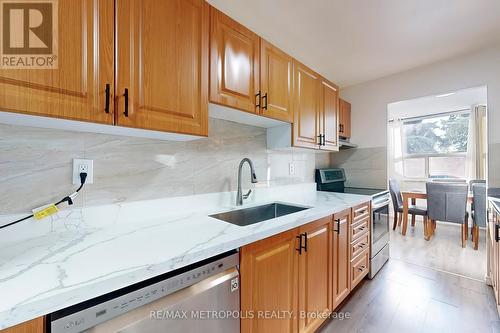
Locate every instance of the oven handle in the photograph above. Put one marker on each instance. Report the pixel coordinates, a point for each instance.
(380, 205)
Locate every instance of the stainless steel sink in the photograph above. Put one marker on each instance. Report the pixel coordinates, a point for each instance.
(251, 215)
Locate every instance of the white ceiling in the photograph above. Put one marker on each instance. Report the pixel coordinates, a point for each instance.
(352, 41)
(446, 102)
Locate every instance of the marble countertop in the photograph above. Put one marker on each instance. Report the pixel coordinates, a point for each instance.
(82, 253)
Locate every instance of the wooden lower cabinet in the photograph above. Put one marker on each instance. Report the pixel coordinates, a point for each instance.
(360, 243)
(307, 272)
(36, 325)
(494, 254)
(341, 282)
(315, 269)
(268, 271)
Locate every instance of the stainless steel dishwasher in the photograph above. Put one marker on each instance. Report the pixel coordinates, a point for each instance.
(199, 298)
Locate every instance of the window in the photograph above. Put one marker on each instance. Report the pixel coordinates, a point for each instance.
(435, 146)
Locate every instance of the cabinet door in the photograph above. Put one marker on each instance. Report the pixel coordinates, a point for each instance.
(276, 75)
(315, 269)
(495, 259)
(76, 89)
(305, 120)
(347, 120)
(162, 50)
(234, 63)
(268, 282)
(344, 119)
(329, 115)
(341, 260)
(36, 325)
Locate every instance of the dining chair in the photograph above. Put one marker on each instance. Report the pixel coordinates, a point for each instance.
(479, 211)
(397, 204)
(447, 202)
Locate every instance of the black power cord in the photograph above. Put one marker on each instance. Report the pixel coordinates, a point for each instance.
(68, 199)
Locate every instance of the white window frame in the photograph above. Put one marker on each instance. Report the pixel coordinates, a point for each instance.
(406, 156)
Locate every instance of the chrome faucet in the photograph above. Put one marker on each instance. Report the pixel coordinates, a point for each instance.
(253, 179)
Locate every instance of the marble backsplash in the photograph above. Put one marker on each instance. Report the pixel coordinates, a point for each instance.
(364, 167)
(36, 165)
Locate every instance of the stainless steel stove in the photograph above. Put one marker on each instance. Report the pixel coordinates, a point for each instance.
(333, 180)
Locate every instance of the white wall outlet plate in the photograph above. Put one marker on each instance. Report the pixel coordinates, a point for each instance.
(291, 169)
(79, 166)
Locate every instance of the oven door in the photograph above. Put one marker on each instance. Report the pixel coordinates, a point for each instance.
(380, 226)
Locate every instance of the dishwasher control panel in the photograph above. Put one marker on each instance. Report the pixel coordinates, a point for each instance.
(100, 312)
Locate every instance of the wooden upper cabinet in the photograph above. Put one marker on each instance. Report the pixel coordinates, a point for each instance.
(268, 282)
(344, 119)
(315, 269)
(234, 63)
(328, 115)
(76, 89)
(276, 82)
(162, 70)
(341, 257)
(306, 107)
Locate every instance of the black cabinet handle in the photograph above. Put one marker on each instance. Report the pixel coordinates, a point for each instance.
(305, 241)
(125, 94)
(321, 140)
(106, 103)
(300, 243)
(338, 226)
(265, 101)
(258, 97)
(497, 238)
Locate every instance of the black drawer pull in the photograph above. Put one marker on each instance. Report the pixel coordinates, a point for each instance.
(300, 243)
(258, 97)
(497, 237)
(265, 101)
(125, 94)
(338, 226)
(106, 103)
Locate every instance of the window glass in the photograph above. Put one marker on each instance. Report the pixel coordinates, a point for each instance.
(414, 168)
(447, 167)
(442, 134)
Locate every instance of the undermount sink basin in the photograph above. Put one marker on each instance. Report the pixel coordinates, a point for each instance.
(251, 215)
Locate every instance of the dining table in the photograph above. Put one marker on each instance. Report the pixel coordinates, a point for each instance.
(413, 195)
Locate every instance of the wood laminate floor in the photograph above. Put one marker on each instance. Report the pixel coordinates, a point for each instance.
(442, 252)
(407, 298)
(423, 289)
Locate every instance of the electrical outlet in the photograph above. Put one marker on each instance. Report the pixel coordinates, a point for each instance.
(291, 169)
(79, 166)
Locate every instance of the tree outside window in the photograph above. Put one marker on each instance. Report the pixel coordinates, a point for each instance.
(436, 146)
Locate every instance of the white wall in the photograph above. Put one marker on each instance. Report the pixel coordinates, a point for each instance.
(369, 100)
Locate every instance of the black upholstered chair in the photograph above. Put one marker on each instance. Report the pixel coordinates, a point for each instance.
(397, 203)
(447, 202)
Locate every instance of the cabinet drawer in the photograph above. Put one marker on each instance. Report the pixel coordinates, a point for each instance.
(359, 228)
(361, 211)
(359, 245)
(359, 268)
